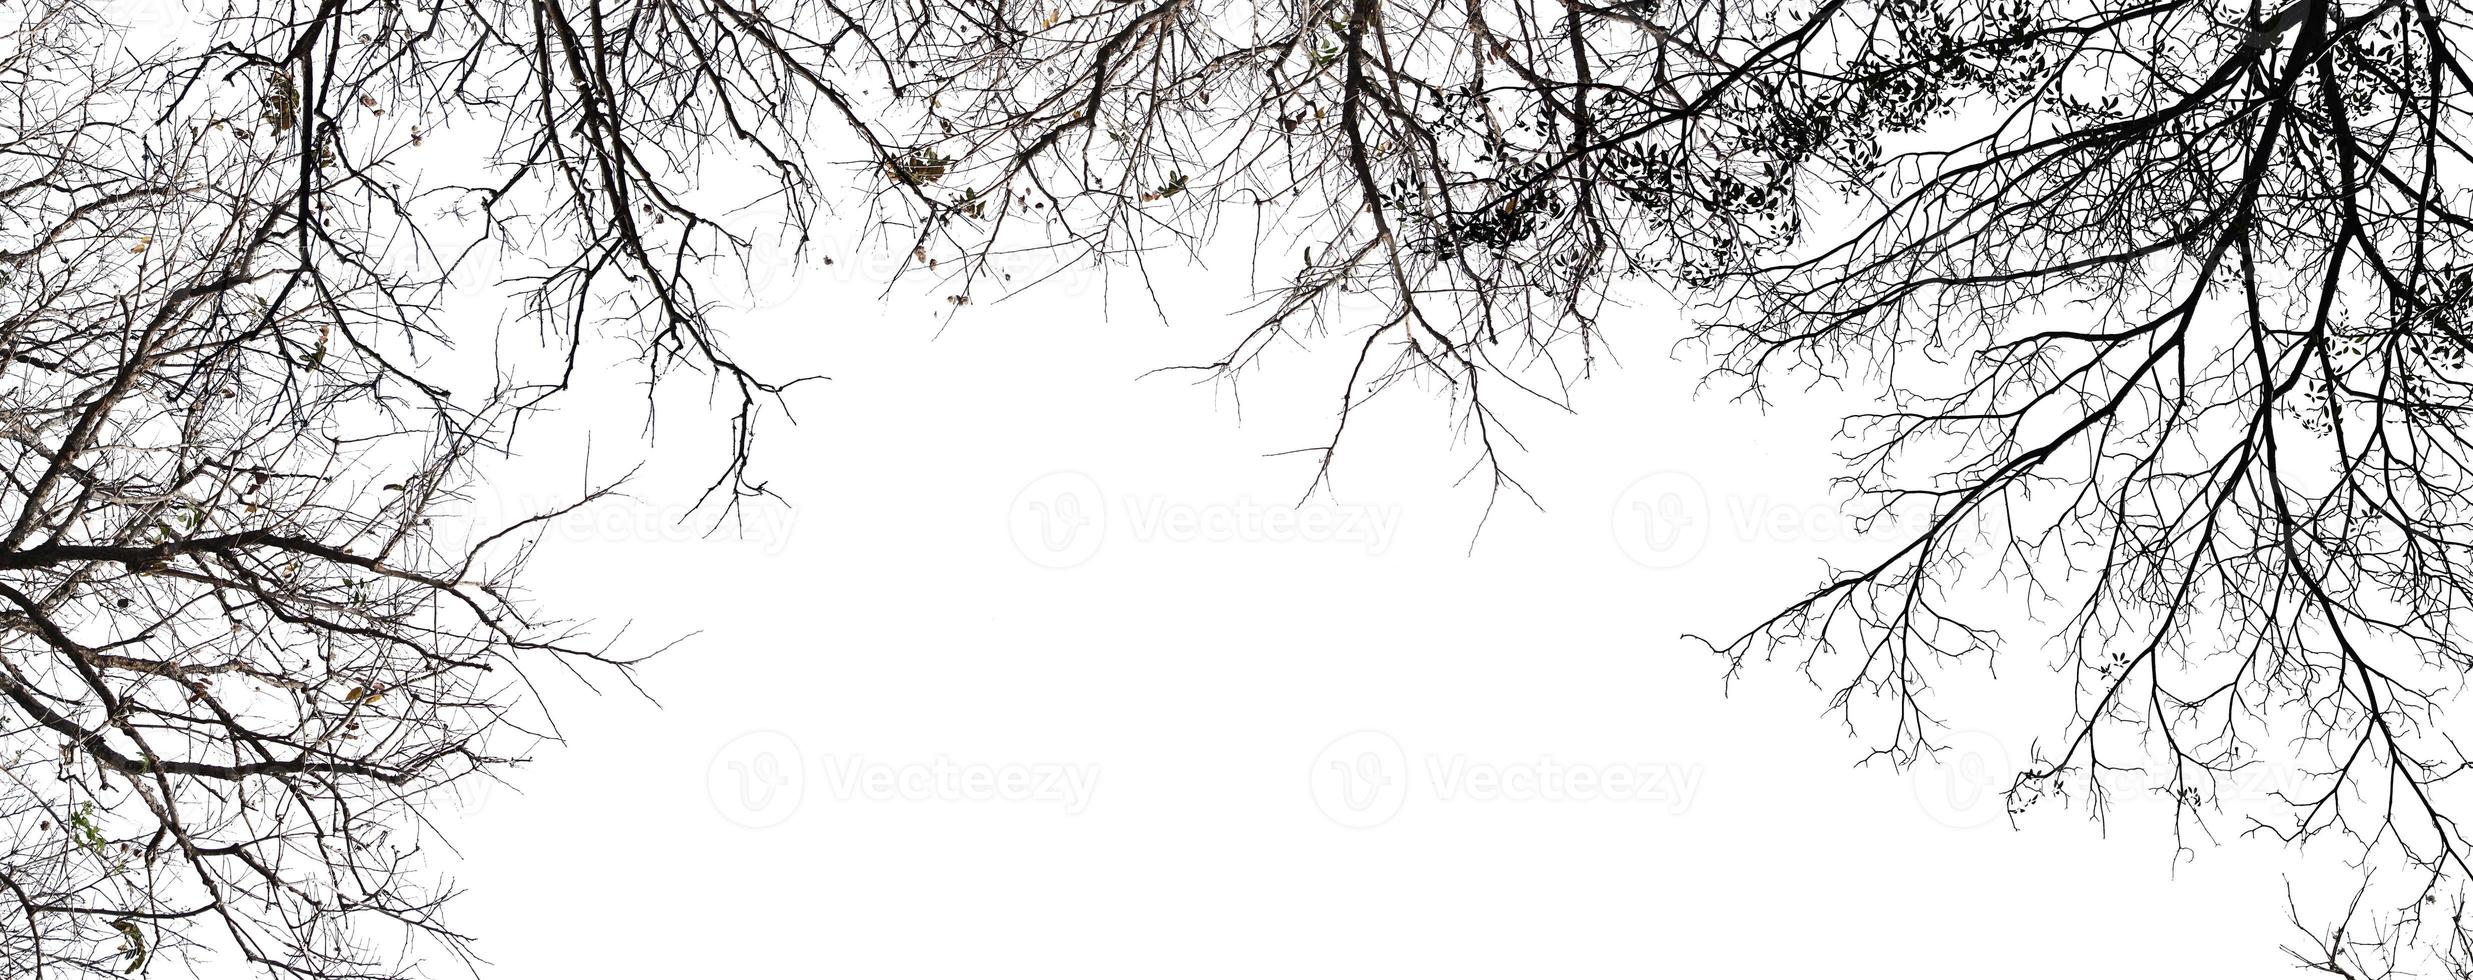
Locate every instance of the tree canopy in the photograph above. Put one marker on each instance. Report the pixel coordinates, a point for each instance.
(2162, 301)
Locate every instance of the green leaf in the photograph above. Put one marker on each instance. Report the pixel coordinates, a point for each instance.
(137, 944)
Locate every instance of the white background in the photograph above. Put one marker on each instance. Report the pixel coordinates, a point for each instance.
(893, 617)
